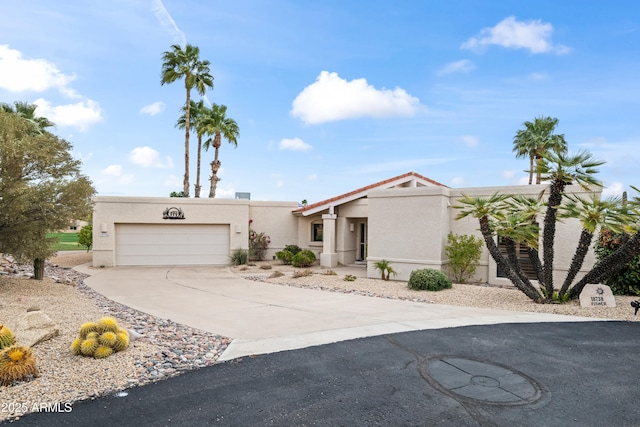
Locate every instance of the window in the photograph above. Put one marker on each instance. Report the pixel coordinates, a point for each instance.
(316, 234)
(522, 251)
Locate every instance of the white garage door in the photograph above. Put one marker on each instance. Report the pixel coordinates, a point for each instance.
(172, 244)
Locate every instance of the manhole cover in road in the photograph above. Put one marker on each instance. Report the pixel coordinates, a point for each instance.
(480, 381)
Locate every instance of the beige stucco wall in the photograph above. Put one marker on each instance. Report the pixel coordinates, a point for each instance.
(407, 226)
(274, 218)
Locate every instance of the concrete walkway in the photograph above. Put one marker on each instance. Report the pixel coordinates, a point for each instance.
(264, 318)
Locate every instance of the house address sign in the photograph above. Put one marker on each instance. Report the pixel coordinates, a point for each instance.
(173, 213)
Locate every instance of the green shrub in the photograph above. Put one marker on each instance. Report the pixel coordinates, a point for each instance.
(627, 280)
(258, 244)
(429, 279)
(464, 253)
(304, 258)
(285, 256)
(239, 257)
(294, 249)
(349, 278)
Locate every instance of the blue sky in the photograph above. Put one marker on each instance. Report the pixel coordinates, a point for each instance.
(329, 95)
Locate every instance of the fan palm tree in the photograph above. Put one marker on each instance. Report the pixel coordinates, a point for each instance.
(593, 214)
(220, 126)
(179, 63)
(198, 112)
(537, 139)
(28, 111)
(562, 169)
(489, 211)
(621, 256)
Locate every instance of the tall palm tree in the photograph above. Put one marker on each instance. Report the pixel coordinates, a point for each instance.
(219, 125)
(28, 111)
(562, 169)
(198, 112)
(537, 139)
(179, 63)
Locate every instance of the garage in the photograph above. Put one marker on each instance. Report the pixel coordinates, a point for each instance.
(172, 244)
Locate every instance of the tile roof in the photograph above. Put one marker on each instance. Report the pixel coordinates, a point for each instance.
(349, 196)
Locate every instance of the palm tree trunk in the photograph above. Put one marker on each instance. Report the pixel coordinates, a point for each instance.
(530, 170)
(187, 108)
(215, 166)
(578, 259)
(197, 186)
(534, 257)
(609, 265)
(497, 256)
(555, 198)
(515, 262)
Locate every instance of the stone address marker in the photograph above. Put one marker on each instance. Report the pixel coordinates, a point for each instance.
(597, 296)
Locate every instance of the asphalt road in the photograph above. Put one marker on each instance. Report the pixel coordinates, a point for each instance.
(550, 374)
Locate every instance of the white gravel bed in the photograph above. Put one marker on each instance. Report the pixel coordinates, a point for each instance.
(166, 349)
(477, 295)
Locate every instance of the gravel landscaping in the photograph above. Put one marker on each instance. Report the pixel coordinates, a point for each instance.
(167, 348)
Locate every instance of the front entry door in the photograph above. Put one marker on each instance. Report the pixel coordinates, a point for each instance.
(362, 246)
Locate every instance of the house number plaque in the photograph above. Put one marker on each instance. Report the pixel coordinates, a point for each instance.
(173, 213)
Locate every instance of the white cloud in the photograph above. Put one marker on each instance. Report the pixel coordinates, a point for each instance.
(112, 170)
(18, 74)
(115, 171)
(613, 189)
(166, 21)
(462, 66)
(508, 174)
(470, 141)
(295, 144)
(312, 177)
(148, 157)
(79, 115)
(173, 181)
(153, 109)
(458, 180)
(513, 34)
(331, 98)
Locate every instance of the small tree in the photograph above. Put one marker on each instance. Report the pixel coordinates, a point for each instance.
(464, 253)
(85, 236)
(42, 190)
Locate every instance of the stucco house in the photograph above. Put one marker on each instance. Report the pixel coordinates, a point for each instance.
(404, 219)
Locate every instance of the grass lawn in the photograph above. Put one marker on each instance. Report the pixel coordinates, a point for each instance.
(66, 242)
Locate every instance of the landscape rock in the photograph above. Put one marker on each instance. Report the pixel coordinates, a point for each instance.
(35, 327)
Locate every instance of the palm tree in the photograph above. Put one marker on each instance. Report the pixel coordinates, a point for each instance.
(593, 214)
(561, 169)
(28, 111)
(385, 269)
(621, 256)
(179, 63)
(219, 125)
(536, 140)
(198, 111)
(489, 211)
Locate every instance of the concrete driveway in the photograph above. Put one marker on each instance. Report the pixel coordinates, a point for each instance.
(265, 318)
